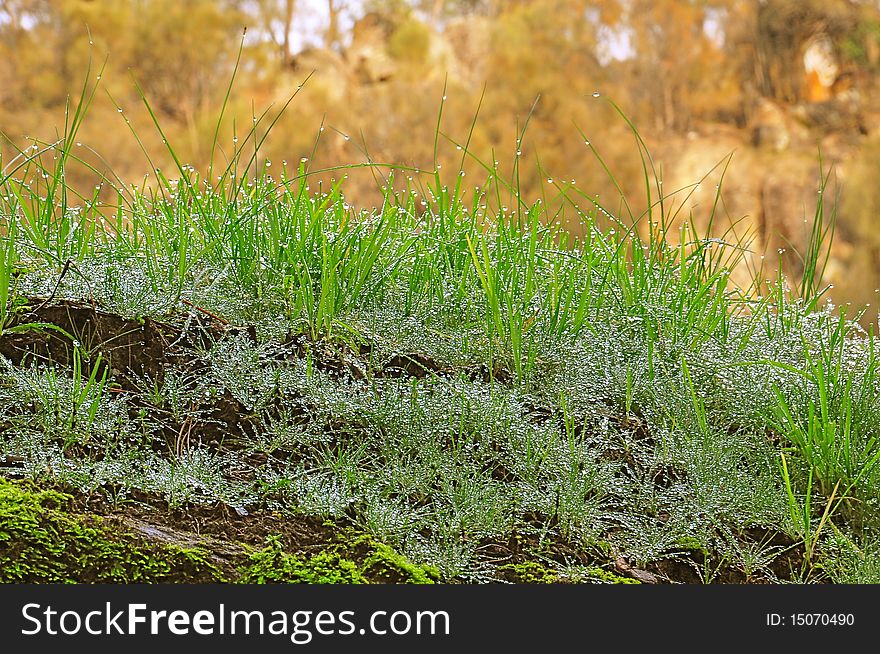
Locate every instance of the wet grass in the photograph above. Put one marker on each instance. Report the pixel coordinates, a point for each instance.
(492, 397)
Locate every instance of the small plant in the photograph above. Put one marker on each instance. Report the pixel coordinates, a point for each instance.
(801, 511)
(831, 420)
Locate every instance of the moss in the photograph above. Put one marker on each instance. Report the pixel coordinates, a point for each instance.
(530, 572)
(385, 564)
(273, 565)
(534, 572)
(44, 540)
(354, 559)
(598, 574)
(41, 541)
(691, 544)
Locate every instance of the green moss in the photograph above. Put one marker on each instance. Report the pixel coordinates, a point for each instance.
(44, 540)
(534, 572)
(385, 564)
(598, 574)
(273, 565)
(531, 572)
(41, 541)
(353, 559)
(691, 544)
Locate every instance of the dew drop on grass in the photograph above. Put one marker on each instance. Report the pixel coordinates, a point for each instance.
(596, 94)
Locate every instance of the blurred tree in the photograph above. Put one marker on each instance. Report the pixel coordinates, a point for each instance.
(276, 22)
(439, 9)
(20, 20)
(332, 37)
(675, 61)
(410, 42)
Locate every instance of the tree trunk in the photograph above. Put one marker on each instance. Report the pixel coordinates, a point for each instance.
(331, 40)
(286, 54)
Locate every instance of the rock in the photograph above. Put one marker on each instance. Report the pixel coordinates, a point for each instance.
(627, 570)
(838, 114)
(770, 126)
(330, 72)
(367, 56)
(469, 40)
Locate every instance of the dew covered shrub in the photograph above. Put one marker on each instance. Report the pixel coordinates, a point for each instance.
(451, 372)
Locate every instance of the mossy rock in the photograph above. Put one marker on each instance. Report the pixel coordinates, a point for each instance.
(383, 564)
(42, 541)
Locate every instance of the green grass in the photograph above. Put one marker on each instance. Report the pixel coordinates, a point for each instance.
(613, 389)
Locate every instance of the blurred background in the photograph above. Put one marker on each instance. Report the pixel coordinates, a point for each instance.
(766, 85)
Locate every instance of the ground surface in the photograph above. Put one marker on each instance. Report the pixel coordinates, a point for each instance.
(225, 541)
